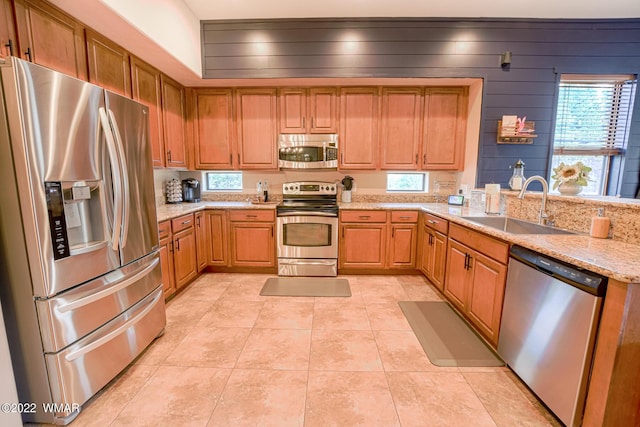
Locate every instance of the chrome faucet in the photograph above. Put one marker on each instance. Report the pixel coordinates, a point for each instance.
(544, 218)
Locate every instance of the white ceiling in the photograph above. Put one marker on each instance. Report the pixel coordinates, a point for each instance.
(260, 9)
(166, 33)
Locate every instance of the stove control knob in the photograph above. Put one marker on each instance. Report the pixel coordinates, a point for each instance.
(333, 188)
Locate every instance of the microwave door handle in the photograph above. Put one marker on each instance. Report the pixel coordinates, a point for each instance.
(117, 178)
(125, 180)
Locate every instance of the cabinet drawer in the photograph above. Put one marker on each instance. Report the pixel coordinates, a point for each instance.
(435, 222)
(164, 230)
(404, 216)
(493, 248)
(252, 215)
(363, 216)
(181, 223)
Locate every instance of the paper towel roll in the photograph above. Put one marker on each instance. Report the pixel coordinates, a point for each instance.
(492, 195)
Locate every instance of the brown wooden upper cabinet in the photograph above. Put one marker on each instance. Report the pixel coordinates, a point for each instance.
(173, 120)
(213, 132)
(440, 113)
(400, 128)
(8, 39)
(49, 37)
(108, 64)
(145, 82)
(257, 128)
(358, 128)
(308, 110)
(445, 123)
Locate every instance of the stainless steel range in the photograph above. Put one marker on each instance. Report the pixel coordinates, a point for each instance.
(308, 229)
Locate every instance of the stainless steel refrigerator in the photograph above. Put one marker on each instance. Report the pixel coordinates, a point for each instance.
(81, 285)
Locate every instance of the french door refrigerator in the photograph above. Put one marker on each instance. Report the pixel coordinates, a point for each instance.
(81, 281)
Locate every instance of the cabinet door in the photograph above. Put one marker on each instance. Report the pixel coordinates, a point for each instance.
(323, 110)
(486, 295)
(217, 228)
(202, 241)
(166, 263)
(402, 246)
(173, 119)
(185, 261)
(293, 110)
(8, 39)
(445, 121)
(438, 265)
(51, 38)
(358, 136)
(146, 87)
(427, 252)
(252, 245)
(456, 283)
(400, 128)
(108, 64)
(362, 246)
(213, 128)
(257, 128)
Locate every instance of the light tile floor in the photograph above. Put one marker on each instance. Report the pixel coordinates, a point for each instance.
(230, 357)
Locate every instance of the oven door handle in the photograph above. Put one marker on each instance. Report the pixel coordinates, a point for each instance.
(284, 261)
(307, 213)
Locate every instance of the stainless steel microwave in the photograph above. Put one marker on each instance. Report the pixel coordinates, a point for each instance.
(302, 151)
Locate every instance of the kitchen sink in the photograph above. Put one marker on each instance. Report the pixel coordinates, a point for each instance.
(516, 226)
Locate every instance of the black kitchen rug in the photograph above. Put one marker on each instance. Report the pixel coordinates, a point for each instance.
(445, 337)
(306, 287)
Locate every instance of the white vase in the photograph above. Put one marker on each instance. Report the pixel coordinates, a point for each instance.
(346, 196)
(569, 188)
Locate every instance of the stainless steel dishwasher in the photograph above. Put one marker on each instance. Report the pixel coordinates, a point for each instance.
(549, 323)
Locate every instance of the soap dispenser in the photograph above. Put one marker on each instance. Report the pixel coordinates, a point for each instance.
(517, 179)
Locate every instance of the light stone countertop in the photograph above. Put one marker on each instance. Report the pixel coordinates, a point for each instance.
(611, 258)
(170, 211)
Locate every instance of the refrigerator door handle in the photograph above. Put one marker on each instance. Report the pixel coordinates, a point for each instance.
(125, 180)
(117, 177)
(111, 290)
(108, 337)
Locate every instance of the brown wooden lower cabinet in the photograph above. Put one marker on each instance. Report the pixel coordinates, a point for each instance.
(378, 239)
(166, 258)
(178, 252)
(202, 240)
(218, 241)
(474, 280)
(433, 248)
(252, 238)
(184, 254)
(362, 245)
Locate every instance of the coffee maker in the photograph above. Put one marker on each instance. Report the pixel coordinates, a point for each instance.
(191, 190)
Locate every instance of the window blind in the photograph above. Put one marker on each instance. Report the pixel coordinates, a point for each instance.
(594, 115)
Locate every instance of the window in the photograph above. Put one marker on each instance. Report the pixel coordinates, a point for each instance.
(405, 181)
(592, 124)
(224, 181)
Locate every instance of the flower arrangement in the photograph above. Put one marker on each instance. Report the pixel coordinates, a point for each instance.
(577, 173)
